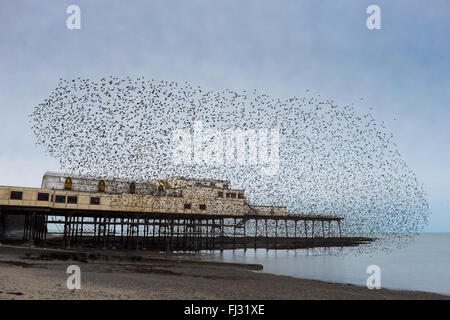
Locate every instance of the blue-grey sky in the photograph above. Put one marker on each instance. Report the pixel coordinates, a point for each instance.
(280, 48)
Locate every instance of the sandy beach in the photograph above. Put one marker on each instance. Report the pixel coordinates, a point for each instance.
(31, 278)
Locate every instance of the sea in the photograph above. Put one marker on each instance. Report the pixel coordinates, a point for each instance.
(421, 265)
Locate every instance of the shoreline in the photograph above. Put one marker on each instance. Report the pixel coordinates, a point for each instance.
(164, 278)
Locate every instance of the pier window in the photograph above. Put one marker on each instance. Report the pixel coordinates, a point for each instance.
(233, 195)
(202, 207)
(68, 184)
(95, 200)
(72, 199)
(133, 188)
(240, 195)
(220, 194)
(187, 206)
(16, 195)
(101, 186)
(42, 196)
(60, 199)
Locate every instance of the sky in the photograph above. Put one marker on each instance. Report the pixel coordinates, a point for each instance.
(281, 48)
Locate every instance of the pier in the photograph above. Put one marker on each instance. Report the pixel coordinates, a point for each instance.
(170, 231)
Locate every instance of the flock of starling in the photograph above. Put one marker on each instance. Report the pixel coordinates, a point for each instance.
(333, 161)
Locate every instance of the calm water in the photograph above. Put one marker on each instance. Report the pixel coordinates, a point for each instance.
(423, 265)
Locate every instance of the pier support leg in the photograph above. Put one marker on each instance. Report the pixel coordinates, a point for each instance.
(306, 229)
(276, 234)
(323, 230)
(256, 232)
(234, 234)
(245, 237)
(339, 226)
(267, 235)
(222, 239)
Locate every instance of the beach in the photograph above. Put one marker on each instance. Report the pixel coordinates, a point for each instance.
(28, 277)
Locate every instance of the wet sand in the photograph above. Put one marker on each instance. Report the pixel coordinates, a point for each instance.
(31, 278)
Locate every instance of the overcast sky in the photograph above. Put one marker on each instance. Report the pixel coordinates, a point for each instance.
(280, 48)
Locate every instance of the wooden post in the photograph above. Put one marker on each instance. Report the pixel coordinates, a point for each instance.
(178, 234)
(287, 234)
(276, 233)
(323, 230)
(171, 235)
(104, 232)
(107, 230)
(213, 232)
(184, 234)
(245, 237)
(306, 229)
(295, 229)
(159, 234)
(81, 231)
(26, 227)
(234, 234)
(75, 231)
(267, 237)
(121, 232)
(153, 233)
(45, 226)
(189, 235)
(115, 231)
(221, 234)
(329, 234)
(256, 231)
(205, 233)
(339, 226)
